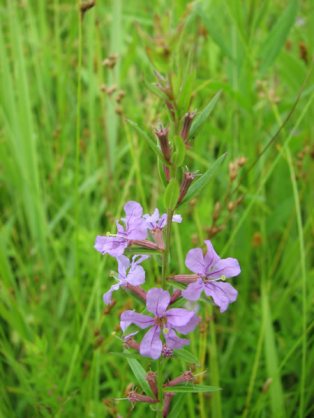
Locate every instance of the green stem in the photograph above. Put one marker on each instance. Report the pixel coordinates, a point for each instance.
(165, 268)
(167, 248)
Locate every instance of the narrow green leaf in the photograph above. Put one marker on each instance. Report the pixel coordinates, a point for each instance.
(202, 181)
(125, 355)
(149, 139)
(191, 388)
(179, 153)
(140, 375)
(201, 118)
(216, 30)
(278, 35)
(171, 194)
(187, 356)
(161, 172)
(176, 406)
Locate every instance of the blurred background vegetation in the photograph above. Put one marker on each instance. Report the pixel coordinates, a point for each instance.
(70, 80)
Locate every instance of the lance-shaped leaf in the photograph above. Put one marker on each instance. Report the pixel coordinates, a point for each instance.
(201, 117)
(191, 388)
(176, 406)
(199, 184)
(140, 375)
(187, 356)
(148, 138)
(278, 35)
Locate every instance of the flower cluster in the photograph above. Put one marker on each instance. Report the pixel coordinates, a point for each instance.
(210, 272)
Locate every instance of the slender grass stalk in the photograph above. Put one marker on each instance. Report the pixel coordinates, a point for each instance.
(303, 281)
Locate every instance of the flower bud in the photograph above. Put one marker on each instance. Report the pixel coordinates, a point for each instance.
(186, 377)
(138, 397)
(151, 379)
(167, 400)
(137, 290)
(162, 135)
(188, 118)
(184, 278)
(175, 296)
(166, 352)
(188, 177)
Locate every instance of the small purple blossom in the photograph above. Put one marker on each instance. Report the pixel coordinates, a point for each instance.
(210, 268)
(167, 321)
(155, 221)
(135, 228)
(128, 273)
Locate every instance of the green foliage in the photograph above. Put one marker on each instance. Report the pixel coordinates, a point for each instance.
(202, 117)
(201, 182)
(70, 161)
(171, 194)
(140, 373)
(190, 388)
(278, 35)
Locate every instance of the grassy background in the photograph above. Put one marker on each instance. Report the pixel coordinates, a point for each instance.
(69, 162)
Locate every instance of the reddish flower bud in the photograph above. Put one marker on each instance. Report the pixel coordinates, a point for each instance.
(162, 135)
(184, 278)
(184, 378)
(151, 379)
(130, 343)
(138, 397)
(137, 290)
(158, 237)
(145, 244)
(188, 118)
(167, 401)
(185, 185)
(175, 296)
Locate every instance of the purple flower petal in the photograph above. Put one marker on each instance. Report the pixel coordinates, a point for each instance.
(211, 256)
(157, 301)
(132, 210)
(162, 221)
(173, 341)
(120, 229)
(155, 221)
(190, 326)
(194, 290)
(228, 267)
(108, 295)
(123, 265)
(177, 218)
(222, 294)
(151, 344)
(178, 317)
(136, 226)
(138, 259)
(136, 275)
(114, 246)
(137, 230)
(131, 317)
(195, 261)
(152, 219)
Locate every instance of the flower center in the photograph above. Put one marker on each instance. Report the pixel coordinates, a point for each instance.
(161, 321)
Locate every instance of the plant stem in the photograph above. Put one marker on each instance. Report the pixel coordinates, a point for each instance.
(167, 248)
(165, 258)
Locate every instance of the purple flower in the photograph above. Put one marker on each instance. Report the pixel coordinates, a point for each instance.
(129, 273)
(210, 268)
(155, 221)
(135, 228)
(165, 321)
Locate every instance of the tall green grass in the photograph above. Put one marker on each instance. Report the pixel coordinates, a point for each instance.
(69, 162)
